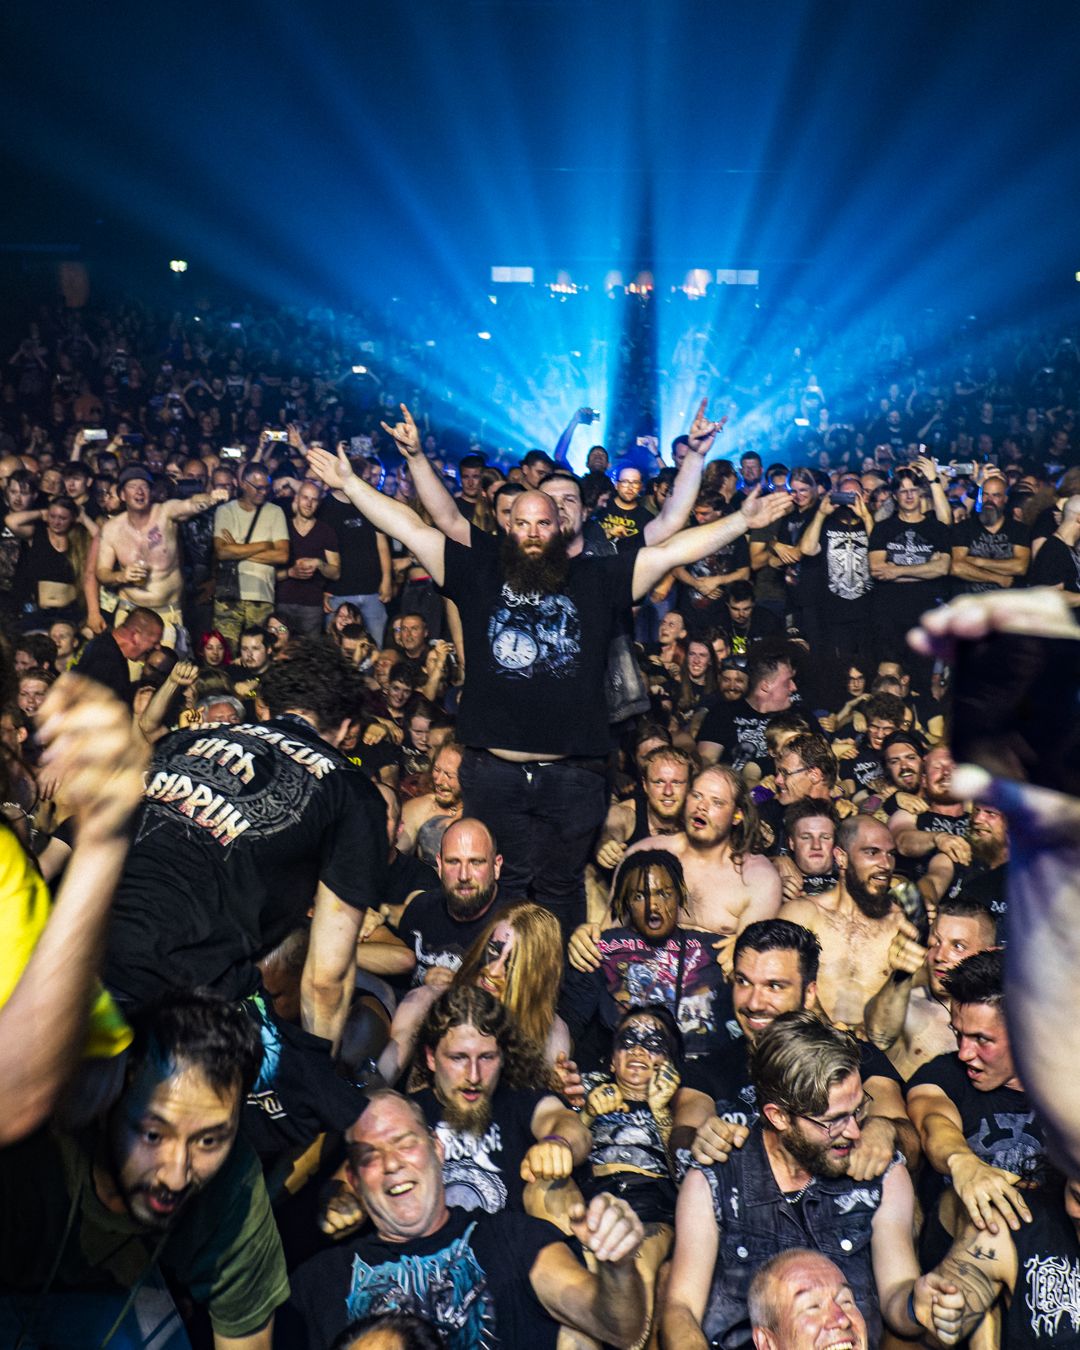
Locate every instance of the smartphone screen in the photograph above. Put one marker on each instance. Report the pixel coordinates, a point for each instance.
(1016, 709)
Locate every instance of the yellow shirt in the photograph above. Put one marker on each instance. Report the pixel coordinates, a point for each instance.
(25, 907)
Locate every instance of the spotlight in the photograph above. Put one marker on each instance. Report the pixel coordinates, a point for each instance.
(359, 370)
(484, 337)
(524, 276)
(697, 282)
(177, 265)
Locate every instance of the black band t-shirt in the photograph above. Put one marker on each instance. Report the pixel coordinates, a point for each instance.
(908, 544)
(980, 542)
(470, 1279)
(536, 662)
(361, 571)
(238, 827)
(435, 936)
(483, 1171)
(1056, 565)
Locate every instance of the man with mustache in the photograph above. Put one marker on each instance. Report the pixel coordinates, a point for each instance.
(990, 551)
(537, 626)
(441, 925)
(787, 1184)
(498, 1279)
(485, 1097)
(864, 935)
(162, 1184)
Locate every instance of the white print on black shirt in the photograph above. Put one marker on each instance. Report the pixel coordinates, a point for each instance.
(1006, 1140)
(534, 634)
(471, 1177)
(909, 550)
(989, 545)
(849, 566)
(216, 800)
(1053, 1292)
(426, 960)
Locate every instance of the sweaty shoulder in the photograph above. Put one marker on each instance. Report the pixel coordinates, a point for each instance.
(671, 842)
(804, 912)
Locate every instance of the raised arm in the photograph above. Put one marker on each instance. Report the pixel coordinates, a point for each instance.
(22, 522)
(434, 495)
(684, 492)
(186, 508)
(394, 518)
(1043, 951)
(655, 561)
(562, 445)
(90, 747)
(928, 469)
(607, 1303)
(809, 544)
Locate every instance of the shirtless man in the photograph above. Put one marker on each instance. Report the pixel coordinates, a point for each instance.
(908, 1017)
(864, 936)
(424, 820)
(728, 887)
(139, 551)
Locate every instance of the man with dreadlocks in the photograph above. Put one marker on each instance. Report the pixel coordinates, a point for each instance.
(729, 884)
(646, 957)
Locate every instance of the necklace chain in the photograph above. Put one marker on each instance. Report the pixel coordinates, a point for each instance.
(794, 1199)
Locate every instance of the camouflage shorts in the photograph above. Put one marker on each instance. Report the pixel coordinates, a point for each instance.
(230, 616)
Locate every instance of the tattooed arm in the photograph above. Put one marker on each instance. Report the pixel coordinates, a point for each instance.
(980, 1266)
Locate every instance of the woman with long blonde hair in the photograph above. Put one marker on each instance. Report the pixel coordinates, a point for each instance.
(519, 958)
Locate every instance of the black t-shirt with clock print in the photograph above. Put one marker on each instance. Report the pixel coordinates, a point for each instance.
(536, 662)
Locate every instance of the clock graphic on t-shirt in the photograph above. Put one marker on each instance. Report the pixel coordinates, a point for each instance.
(515, 649)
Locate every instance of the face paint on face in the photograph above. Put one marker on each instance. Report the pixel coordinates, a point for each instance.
(640, 1047)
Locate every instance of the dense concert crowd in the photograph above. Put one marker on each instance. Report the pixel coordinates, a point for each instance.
(452, 900)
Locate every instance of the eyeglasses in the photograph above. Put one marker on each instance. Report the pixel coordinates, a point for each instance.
(835, 1128)
(791, 773)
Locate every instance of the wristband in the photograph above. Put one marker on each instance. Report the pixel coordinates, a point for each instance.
(911, 1308)
(556, 1139)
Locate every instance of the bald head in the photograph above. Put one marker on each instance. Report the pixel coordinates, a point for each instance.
(1071, 510)
(800, 1300)
(526, 504)
(469, 833)
(469, 867)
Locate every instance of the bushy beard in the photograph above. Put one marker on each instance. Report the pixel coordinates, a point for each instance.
(464, 908)
(468, 1120)
(987, 850)
(990, 515)
(873, 906)
(542, 573)
(813, 1156)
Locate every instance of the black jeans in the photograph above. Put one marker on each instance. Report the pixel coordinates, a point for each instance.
(544, 817)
